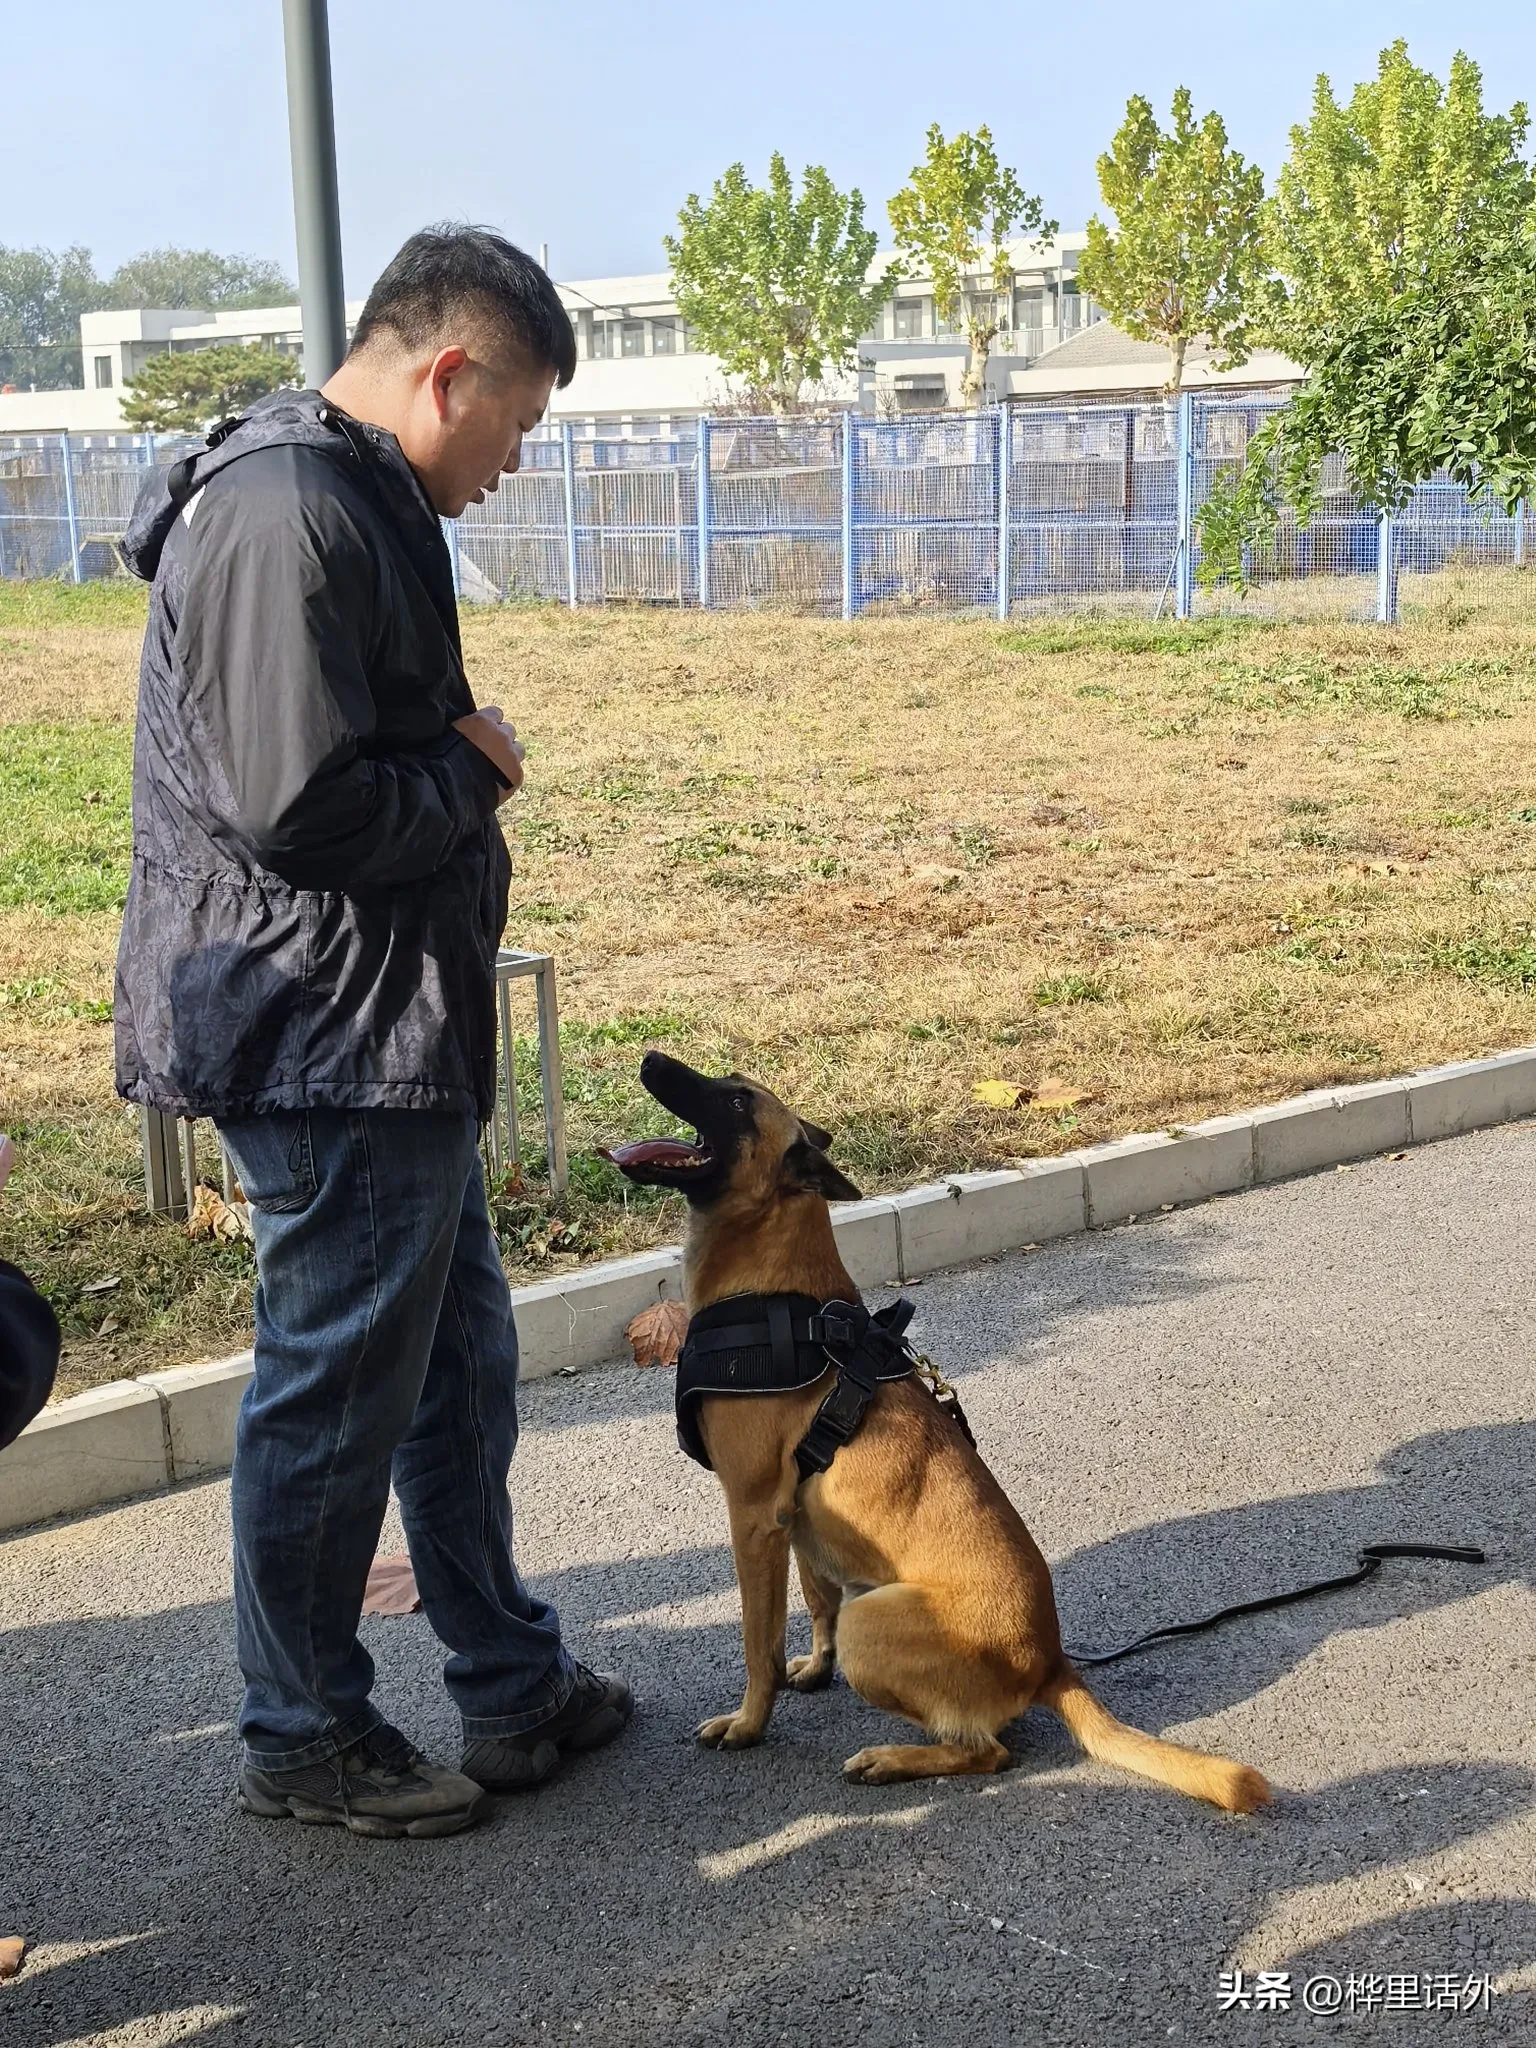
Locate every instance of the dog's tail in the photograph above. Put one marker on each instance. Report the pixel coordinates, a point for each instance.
(1232, 1786)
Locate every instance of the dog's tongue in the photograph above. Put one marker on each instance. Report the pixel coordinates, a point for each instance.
(653, 1152)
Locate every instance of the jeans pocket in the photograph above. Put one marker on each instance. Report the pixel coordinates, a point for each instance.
(274, 1157)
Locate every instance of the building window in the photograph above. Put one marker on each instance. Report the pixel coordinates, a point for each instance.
(663, 337)
(910, 324)
(103, 373)
(605, 338)
(644, 429)
(634, 337)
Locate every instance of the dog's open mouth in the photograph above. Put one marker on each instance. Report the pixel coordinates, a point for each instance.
(671, 1155)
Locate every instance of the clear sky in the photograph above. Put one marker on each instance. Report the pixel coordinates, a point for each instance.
(586, 125)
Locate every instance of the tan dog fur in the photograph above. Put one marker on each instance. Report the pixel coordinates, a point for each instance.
(920, 1577)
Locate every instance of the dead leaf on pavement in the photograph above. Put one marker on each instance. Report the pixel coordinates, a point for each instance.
(213, 1217)
(12, 1948)
(656, 1334)
(391, 1587)
(999, 1094)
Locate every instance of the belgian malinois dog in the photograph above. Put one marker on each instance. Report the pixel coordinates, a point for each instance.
(920, 1577)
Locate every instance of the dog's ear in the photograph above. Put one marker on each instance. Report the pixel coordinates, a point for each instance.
(821, 1139)
(809, 1167)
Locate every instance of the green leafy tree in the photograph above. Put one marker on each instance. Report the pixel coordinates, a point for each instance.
(1182, 260)
(193, 389)
(777, 286)
(42, 296)
(1376, 191)
(955, 217)
(198, 277)
(1440, 375)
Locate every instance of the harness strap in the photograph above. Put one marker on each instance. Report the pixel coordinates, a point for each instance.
(780, 1343)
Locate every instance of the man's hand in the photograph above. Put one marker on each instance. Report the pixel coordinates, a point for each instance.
(488, 730)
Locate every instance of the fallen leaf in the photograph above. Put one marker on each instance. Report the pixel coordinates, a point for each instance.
(1397, 1155)
(656, 1334)
(103, 1286)
(1055, 1094)
(213, 1217)
(391, 1587)
(12, 1948)
(109, 1324)
(999, 1094)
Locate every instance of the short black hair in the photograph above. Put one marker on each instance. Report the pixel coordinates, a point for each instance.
(449, 271)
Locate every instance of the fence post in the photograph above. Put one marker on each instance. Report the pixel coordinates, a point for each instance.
(1183, 557)
(1386, 571)
(70, 512)
(1004, 531)
(706, 533)
(850, 570)
(149, 451)
(1520, 535)
(568, 458)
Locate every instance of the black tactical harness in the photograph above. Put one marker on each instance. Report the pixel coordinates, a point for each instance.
(776, 1343)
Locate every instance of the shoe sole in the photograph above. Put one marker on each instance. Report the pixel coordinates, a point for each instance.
(377, 1826)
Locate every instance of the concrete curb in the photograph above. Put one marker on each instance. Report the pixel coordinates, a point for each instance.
(135, 1436)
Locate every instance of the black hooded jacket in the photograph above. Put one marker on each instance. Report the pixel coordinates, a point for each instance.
(319, 883)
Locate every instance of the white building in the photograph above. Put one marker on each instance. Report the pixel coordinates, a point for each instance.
(641, 373)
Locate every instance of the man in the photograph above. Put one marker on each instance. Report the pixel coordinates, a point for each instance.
(319, 885)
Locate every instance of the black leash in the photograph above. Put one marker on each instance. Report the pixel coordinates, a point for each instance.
(1370, 1563)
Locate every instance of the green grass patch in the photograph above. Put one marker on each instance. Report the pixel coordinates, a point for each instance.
(1295, 689)
(1061, 989)
(110, 601)
(1501, 959)
(65, 824)
(1129, 636)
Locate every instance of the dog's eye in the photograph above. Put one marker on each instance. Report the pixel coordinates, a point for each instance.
(741, 1104)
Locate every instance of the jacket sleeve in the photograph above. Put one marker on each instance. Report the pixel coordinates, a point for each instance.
(29, 1352)
(281, 606)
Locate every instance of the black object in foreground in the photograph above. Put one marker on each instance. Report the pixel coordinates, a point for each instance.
(1371, 1558)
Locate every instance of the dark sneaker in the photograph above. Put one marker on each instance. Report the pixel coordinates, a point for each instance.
(597, 1710)
(380, 1786)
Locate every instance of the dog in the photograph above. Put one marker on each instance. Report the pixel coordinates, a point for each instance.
(920, 1577)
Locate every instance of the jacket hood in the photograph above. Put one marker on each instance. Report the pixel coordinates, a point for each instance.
(285, 417)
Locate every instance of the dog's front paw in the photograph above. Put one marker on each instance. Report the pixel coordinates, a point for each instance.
(729, 1731)
(809, 1674)
(877, 1766)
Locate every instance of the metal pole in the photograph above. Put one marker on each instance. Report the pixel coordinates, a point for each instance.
(705, 534)
(1184, 566)
(1386, 571)
(70, 512)
(551, 1079)
(1520, 535)
(850, 567)
(1004, 533)
(451, 535)
(316, 212)
(568, 457)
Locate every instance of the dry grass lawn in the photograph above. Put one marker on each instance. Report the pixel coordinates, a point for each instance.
(1185, 869)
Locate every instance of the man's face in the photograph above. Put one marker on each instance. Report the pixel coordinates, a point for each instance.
(466, 428)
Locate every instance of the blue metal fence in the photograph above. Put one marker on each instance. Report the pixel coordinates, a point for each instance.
(1029, 508)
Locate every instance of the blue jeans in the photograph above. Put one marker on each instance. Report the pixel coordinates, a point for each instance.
(385, 1348)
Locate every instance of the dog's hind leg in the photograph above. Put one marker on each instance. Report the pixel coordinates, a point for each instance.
(895, 1654)
(823, 1598)
(761, 1546)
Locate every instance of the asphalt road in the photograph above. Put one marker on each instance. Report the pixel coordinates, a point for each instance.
(1189, 1410)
